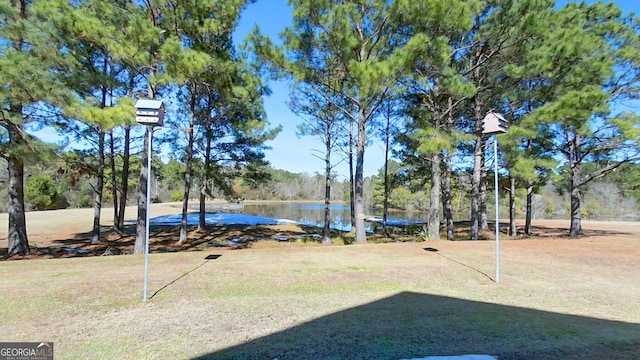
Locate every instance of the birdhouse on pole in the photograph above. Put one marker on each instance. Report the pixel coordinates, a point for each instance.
(494, 123)
(150, 112)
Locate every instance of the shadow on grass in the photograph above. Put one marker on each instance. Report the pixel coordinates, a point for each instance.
(409, 325)
(542, 232)
(162, 239)
(165, 239)
(434, 250)
(462, 232)
(206, 260)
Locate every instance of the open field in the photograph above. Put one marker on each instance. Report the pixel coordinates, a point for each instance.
(558, 298)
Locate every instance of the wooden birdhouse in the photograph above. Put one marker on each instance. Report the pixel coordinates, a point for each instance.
(150, 112)
(494, 123)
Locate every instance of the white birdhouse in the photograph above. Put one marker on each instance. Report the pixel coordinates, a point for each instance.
(494, 123)
(150, 112)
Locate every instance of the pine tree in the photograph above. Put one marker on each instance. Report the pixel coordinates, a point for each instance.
(32, 78)
(323, 120)
(199, 59)
(370, 53)
(89, 32)
(437, 87)
(590, 60)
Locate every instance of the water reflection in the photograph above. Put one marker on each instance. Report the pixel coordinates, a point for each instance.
(313, 214)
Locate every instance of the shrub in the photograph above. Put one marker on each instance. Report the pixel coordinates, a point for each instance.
(44, 194)
(176, 196)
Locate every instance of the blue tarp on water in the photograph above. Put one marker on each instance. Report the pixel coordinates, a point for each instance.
(395, 221)
(218, 218)
(247, 219)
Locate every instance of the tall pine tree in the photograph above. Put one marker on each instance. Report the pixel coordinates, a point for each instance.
(32, 83)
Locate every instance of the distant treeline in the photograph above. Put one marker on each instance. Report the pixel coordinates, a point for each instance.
(52, 187)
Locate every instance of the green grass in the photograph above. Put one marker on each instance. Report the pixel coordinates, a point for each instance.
(382, 301)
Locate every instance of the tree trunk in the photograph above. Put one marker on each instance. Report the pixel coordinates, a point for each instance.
(484, 218)
(17, 235)
(576, 216)
(361, 236)
(385, 201)
(141, 224)
(17, 240)
(447, 202)
(576, 183)
(434, 198)
(124, 178)
(187, 174)
(513, 230)
(447, 197)
(202, 209)
(114, 183)
(528, 215)
(478, 182)
(97, 206)
(326, 231)
(352, 183)
(185, 197)
(478, 164)
(202, 223)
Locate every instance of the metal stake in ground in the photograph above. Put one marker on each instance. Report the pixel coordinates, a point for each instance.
(146, 239)
(149, 113)
(496, 187)
(494, 124)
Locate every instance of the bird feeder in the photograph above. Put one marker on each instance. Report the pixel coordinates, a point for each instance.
(494, 123)
(149, 112)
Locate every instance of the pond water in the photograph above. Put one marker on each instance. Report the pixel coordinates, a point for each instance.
(313, 214)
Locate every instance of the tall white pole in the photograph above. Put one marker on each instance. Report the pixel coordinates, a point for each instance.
(495, 170)
(146, 237)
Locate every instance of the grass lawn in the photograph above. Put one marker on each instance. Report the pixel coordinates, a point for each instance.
(558, 298)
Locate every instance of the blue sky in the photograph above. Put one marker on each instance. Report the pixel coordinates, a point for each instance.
(300, 154)
(626, 5)
(289, 152)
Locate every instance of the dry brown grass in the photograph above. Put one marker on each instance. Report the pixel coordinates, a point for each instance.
(558, 298)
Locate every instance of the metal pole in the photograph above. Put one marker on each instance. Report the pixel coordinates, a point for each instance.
(148, 203)
(495, 170)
